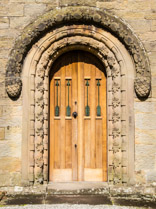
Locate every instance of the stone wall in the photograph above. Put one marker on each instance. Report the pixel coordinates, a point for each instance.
(140, 15)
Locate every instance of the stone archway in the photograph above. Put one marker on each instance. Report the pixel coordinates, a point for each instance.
(120, 68)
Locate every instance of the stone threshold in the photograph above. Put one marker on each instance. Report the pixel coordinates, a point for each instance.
(76, 187)
(79, 193)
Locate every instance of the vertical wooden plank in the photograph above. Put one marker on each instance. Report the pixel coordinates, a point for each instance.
(57, 68)
(99, 130)
(87, 66)
(68, 150)
(68, 123)
(87, 143)
(57, 144)
(98, 143)
(51, 159)
(69, 67)
(104, 126)
(93, 114)
(98, 73)
(62, 116)
(80, 118)
(87, 121)
(74, 120)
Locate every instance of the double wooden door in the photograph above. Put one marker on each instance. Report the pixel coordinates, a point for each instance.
(78, 147)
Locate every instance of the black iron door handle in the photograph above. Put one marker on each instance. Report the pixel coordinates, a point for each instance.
(75, 114)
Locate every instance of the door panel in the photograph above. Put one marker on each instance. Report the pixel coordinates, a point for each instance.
(78, 144)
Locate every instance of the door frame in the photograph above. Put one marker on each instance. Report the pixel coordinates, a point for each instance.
(120, 81)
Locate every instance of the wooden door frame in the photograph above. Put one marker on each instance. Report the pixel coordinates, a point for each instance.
(120, 80)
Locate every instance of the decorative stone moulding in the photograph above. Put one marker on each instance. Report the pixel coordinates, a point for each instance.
(118, 68)
(78, 15)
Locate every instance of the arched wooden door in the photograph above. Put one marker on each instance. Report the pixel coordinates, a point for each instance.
(78, 146)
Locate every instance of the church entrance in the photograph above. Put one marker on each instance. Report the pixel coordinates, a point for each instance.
(78, 130)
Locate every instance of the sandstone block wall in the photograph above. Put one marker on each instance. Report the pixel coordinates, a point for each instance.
(140, 15)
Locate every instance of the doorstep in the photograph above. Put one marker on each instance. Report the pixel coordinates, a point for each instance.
(79, 188)
(93, 193)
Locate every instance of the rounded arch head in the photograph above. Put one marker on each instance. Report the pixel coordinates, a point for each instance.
(77, 15)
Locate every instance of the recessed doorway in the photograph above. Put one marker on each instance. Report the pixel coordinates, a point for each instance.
(78, 130)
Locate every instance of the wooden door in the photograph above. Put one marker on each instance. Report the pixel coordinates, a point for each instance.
(78, 146)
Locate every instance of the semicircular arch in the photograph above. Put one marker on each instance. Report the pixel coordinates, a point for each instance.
(75, 15)
(120, 71)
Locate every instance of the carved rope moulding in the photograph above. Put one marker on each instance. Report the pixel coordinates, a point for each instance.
(71, 15)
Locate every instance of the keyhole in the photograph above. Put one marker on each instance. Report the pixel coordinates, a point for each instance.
(74, 114)
(75, 145)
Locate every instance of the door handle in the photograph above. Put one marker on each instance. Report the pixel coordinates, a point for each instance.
(74, 114)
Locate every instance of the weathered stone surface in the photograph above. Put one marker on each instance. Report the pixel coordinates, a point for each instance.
(145, 157)
(151, 16)
(77, 2)
(6, 43)
(2, 133)
(2, 87)
(140, 177)
(144, 5)
(154, 92)
(34, 9)
(154, 86)
(4, 22)
(130, 15)
(145, 121)
(12, 9)
(10, 33)
(10, 178)
(140, 26)
(13, 133)
(1, 111)
(149, 36)
(153, 25)
(153, 70)
(12, 121)
(10, 164)
(125, 5)
(150, 46)
(15, 22)
(4, 53)
(47, 1)
(11, 111)
(106, 5)
(145, 137)
(23, 1)
(152, 58)
(10, 148)
(151, 176)
(2, 66)
(145, 107)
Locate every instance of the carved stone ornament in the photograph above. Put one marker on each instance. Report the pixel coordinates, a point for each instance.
(38, 66)
(73, 15)
(142, 86)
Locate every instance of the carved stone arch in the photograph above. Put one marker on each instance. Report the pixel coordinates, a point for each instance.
(120, 79)
(77, 15)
